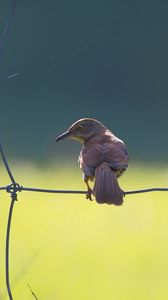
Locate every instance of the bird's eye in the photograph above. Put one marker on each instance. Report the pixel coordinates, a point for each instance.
(80, 127)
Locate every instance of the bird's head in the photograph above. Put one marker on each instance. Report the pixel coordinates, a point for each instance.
(82, 130)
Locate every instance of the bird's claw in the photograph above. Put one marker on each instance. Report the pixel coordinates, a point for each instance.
(123, 193)
(89, 195)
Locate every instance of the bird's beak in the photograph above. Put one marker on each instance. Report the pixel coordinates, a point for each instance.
(63, 136)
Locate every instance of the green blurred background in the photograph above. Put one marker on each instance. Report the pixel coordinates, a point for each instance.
(73, 59)
(103, 59)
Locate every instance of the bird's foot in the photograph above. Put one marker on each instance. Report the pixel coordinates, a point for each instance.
(123, 193)
(89, 194)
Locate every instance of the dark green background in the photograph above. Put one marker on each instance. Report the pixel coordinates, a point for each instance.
(101, 59)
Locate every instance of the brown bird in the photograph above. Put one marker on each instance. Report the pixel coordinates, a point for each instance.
(103, 157)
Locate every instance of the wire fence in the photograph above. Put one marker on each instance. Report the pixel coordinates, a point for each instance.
(15, 187)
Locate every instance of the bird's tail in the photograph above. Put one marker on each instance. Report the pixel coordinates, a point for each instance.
(106, 188)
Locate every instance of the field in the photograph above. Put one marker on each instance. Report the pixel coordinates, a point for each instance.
(66, 247)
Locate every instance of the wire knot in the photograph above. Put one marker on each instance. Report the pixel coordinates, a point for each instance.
(13, 189)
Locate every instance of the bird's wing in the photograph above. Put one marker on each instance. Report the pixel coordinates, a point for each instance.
(89, 159)
(117, 155)
(113, 153)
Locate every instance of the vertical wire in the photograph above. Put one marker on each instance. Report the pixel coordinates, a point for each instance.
(7, 249)
(6, 165)
(5, 32)
(13, 196)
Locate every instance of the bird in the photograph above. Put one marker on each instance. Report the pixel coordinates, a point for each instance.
(103, 158)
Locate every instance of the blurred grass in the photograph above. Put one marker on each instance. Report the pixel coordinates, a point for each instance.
(66, 247)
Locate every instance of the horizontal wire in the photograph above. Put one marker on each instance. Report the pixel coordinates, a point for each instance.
(41, 190)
